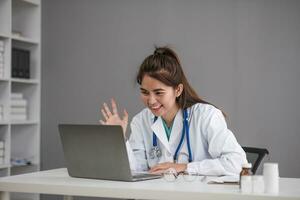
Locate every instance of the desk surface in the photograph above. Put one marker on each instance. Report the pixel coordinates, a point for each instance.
(58, 182)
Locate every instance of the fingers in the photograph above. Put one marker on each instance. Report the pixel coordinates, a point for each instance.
(161, 167)
(125, 116)
(104, 114)
(106, 110)
(114, 106)
(102, 122)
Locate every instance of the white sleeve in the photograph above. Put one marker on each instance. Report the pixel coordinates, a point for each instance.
(227, 156)
(136, 148)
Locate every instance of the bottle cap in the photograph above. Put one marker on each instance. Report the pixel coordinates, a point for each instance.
(247, 165)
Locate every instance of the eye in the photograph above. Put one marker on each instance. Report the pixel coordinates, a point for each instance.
(159, 93)
(144, 92)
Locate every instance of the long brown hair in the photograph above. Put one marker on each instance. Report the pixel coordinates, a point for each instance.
(164, 65)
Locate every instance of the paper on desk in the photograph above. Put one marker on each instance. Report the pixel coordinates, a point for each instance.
(221, 179)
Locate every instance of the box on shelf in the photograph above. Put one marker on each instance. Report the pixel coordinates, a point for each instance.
(18, 107)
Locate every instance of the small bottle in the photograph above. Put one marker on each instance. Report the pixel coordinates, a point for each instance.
(258, 186)
(246, 184)
(246, 171)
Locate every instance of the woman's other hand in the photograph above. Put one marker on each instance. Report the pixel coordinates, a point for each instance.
(113, 118)
(162, 167)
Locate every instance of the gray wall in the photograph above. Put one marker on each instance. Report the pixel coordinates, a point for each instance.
(243, 56)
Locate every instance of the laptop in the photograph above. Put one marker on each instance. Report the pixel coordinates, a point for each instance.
(97, 152)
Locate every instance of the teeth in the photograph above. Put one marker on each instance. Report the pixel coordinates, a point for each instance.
(156, 107)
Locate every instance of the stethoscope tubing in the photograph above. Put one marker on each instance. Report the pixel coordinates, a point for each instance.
(185, 131)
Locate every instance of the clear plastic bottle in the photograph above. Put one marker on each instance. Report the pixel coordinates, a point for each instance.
(246, 171)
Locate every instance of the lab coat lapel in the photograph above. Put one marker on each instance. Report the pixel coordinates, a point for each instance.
(176, 130)
(159, 131)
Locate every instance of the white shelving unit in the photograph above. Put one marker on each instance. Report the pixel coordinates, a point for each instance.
(20, 27)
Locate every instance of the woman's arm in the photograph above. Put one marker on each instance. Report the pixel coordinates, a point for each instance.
(227, 156)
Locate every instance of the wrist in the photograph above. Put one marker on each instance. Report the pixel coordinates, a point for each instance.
(182, 167)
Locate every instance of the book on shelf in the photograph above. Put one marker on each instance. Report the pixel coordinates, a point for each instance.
(20, 63)
(18, 102)
(15, 95)
(17, 34)
(1, 144)
(18, 110)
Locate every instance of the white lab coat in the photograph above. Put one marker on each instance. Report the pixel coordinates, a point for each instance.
(215, 150)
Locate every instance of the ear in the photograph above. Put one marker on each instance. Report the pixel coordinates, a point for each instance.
(178, 90)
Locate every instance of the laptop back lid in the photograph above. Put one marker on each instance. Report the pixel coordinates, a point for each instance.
(95, 151)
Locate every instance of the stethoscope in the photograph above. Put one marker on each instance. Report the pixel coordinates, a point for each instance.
(155, 151)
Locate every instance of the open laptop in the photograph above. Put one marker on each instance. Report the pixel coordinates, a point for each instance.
(97, 152)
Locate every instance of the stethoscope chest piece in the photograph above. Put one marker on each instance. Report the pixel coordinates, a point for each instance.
(155, 152)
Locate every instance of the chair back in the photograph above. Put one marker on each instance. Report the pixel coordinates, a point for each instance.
(255, 156)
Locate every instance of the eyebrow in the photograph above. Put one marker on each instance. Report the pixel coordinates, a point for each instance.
(155, 90)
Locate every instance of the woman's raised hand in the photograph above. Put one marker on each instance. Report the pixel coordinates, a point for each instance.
(113, 118)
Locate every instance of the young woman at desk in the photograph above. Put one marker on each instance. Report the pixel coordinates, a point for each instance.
(177, 129)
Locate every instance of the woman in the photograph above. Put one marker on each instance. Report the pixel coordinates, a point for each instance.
(177, 129)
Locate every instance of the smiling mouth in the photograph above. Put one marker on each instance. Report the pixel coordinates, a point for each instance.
(155, 108)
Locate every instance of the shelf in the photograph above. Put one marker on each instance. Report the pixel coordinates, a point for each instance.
(25, 40)
(31, 2)
(20, 28)
(20, 80)
(27, 122)
(4, 79)
(4, 36)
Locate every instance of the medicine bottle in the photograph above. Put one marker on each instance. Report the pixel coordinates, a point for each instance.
(246, 171)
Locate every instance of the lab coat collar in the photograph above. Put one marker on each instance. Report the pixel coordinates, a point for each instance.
(177, 128)
(159, 130)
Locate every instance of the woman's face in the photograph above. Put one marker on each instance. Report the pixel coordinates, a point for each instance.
(160, 98)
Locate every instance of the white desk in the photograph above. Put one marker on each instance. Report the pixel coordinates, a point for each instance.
(58, 182)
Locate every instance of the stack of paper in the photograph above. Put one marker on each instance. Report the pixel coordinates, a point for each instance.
(1, 59)
(18, 107)
(2, 154)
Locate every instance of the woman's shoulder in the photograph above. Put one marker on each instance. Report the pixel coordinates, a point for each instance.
(204, 109)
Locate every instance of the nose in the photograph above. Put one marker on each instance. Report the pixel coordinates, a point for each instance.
(151, 99)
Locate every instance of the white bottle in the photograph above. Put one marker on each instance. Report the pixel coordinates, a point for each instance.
(271, 178)
(246, 184)
(258, 186)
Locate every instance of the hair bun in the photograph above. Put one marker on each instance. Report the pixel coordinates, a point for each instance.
(159, 51)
